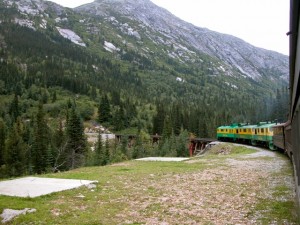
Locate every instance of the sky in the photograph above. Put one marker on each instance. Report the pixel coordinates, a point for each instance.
(262, 23)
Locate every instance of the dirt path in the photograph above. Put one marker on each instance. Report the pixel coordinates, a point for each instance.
(256, 188)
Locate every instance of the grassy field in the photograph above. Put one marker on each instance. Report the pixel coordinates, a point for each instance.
(229, 185)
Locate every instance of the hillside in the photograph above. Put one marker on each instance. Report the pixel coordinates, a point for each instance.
(130, 66)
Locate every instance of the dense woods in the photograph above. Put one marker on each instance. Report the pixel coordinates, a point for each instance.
(48, 92)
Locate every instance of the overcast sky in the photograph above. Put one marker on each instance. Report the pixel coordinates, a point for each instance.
(262, 23)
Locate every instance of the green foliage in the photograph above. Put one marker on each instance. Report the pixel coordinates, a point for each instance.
(16, 150)
(104, 110)
(128, 92)
(40, 154)
(2, 141)
(76, 142)
(106, 153)
(99, 152)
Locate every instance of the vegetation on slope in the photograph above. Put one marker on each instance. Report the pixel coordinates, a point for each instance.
(49, 87)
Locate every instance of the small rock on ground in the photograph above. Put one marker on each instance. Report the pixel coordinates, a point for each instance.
(9, 214)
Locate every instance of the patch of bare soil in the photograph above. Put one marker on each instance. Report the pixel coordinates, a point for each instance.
(226, 193)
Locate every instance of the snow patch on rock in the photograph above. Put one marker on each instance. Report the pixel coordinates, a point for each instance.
(43, 25)
(180, 79)
(25, 23)
(231, 85)
(71, 35)
(110, 47)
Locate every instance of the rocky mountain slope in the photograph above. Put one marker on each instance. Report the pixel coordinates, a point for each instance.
(139, 51)
(186, 40)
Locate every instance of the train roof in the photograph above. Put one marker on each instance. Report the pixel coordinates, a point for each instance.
(265, 124)
(226, 127)
(247, 125)
(282, 124)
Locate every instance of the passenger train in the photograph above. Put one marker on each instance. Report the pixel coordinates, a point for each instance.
(266, 134)
(284, 136)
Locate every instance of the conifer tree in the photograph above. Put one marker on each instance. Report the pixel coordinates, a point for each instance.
(119, 120)
(104, 110)
(16, 150)
(76, 143)
(158, 120)
(106, 153)
(181, 146)
(99, 151)
(2, 141)
(14, 108)
(40, 142)
(167, 130)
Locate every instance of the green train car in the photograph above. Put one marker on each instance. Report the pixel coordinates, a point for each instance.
(259, 134)
(227, 133)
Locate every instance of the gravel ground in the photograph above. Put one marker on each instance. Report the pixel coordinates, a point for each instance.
(227, 192)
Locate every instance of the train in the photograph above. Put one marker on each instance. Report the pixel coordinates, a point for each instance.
(285, 136)
(292, 127)
(269, 134)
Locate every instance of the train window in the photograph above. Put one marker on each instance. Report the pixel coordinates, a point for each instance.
(222, 130)
(245, 130)
(262, 130)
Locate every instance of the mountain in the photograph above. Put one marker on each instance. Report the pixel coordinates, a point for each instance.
(185, 40)
(149, 64)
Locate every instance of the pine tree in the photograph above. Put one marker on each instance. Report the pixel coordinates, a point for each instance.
(158, 120)
(104, 110)
(16, 150)
(167, 130)
(2, 141)
(99, 153)
(76, 143)
(107, 153)
(181, 145)
(40, 142)
(14, 108)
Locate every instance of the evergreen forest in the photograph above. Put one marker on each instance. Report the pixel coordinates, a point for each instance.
(52, 90)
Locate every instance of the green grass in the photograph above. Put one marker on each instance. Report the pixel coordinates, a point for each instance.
(136, 182)
(101, 205)
(279, 211)
(230, 149)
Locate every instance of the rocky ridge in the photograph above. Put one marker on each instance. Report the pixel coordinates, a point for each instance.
(138, 24)
(188, 39)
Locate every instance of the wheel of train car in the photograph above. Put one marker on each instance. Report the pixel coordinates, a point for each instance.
(271, 146)
(253, 142)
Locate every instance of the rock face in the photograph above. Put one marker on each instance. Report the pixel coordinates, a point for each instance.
(164, 28)
(150, 31)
